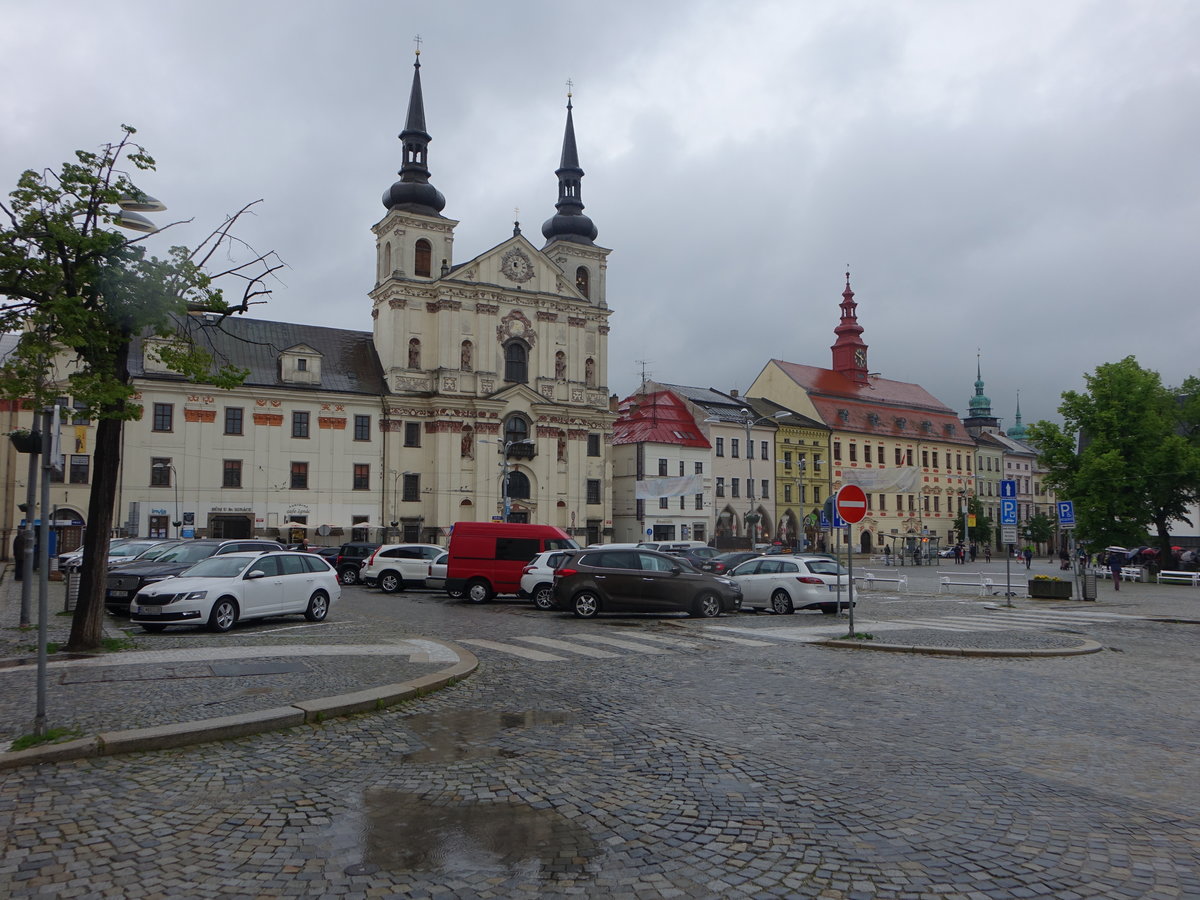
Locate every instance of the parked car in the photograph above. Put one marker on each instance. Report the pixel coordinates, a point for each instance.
(670, 546)
(784, 584)
(697, 556)
(722, 563)
(589, 582)
(135, 551)
(73, 559)
(487, 558)
(435, 576)
(228, 588)
(396, 566)
(125, 582)
(350, 558)
(537, 578)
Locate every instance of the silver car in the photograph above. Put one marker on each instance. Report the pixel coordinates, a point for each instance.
(784, 584)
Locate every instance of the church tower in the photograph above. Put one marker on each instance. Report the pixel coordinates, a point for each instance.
(980, 418)
(849, 350)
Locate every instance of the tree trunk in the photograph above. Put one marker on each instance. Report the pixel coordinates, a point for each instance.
(87, 626)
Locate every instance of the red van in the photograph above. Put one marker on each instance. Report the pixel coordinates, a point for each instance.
(486, 558)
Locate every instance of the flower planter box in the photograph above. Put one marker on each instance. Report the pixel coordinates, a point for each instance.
(27, 441)
(1051, 590)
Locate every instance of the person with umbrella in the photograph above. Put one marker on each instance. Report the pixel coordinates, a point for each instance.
(1114, 566)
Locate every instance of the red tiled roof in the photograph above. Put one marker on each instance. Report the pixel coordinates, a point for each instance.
(658, 418)
(889, 408)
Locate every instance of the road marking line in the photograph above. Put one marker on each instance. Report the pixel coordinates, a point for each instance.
(703, 636)
(616, 642)
(568, 647)
(523, 652)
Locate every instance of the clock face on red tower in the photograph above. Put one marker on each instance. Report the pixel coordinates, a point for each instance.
(860, 357)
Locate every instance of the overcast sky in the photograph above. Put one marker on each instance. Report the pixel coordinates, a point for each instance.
(1019, 178)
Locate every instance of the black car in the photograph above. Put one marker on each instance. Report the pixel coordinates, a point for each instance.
(592, 581)
(697, 556)
(350, 558)
(126, 581)
(719, 565)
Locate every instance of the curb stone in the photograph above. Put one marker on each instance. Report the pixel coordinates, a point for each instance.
(225, 727)
(1084, 647)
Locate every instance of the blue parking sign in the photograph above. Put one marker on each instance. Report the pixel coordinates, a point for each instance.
(1066, 513)
(1008, 511)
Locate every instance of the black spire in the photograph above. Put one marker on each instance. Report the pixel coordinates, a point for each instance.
(569, 224)
(413, 192)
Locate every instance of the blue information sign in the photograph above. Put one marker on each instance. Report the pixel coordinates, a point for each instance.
(1066, 513)
(1008, 488)
(1008, 511)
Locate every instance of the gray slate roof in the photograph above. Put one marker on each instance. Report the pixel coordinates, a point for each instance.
(349, 362)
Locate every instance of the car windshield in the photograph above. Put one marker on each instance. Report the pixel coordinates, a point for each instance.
(188, 553)
(218, 567)
(131, 548)
(158, 550)
(825, 567)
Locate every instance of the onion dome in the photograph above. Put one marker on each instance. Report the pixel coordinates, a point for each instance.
(413, 192)
(979, 404)
(569, 223)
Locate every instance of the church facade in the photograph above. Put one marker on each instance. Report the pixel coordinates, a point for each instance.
(480, 392)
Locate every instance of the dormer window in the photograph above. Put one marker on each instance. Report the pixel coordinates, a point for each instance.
(302, 364)
(844, 415)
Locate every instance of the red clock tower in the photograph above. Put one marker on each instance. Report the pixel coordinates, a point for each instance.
(849, 351)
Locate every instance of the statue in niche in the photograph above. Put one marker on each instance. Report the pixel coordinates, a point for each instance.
(562, 446)
(414, 354)
(468, 444)
(560, 366)
(465, 364)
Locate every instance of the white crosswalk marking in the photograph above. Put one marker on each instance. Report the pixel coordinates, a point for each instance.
(703, 636)
(617, 642)
(568, 647)
(523, 652)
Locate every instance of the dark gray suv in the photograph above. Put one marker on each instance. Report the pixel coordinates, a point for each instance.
(596, 580)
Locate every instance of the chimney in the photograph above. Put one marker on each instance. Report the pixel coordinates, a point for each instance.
(733, 392)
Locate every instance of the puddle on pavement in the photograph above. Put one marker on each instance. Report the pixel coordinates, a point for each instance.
(456, 736)
(407, 833)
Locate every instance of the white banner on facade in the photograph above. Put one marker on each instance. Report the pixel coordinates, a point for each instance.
(651, 488)
(901, 480)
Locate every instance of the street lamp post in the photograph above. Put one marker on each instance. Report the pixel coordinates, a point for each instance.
(505, 447)
(395, 521)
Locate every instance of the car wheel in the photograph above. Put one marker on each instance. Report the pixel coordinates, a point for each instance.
(479, 591)
(318, 607)
(154, 629)
(543, 596)
(348, 575)
(708, 606)
(781, 603)
(586, 604)
(456, 595)
(223, 615)
(390, 582)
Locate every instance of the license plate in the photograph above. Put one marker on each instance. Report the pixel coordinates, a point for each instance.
(833, 587)
(118, 593)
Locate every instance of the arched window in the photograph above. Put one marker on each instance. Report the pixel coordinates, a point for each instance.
(423, 261)
(515, 429)
(583, 281)
(589, 372)
(387, 261)
(414, 354)
(518, 485)
(516, 362)
(467, 360)
(560, 366)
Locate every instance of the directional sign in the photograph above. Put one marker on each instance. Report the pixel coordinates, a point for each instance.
(851, 503)
(1008, 488)
(1066, 513)
(1008, 511)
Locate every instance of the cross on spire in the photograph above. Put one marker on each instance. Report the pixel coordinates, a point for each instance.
(570, 87)
(417, 41)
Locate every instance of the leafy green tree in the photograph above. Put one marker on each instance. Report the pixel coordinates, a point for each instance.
(1038, 529)
(1136, 465)
(78, 289)
(981, 531)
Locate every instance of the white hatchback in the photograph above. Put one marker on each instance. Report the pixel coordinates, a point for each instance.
(784, 584)
(537, 578)
(223, 590)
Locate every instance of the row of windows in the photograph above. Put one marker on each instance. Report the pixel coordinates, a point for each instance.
(423, 265)
(662, 467)
(903, 456)
(664, 502)
(735, 448)
(734, 489)
(163, 419)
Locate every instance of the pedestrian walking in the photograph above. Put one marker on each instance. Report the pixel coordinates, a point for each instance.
(19, 555)
(1064, 559)
(1028, 557)
(1114, 566)
(987, 553)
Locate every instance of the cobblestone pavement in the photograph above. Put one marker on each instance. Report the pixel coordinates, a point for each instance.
(728, 764)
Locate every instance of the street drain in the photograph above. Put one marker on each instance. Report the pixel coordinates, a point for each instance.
(406, 833)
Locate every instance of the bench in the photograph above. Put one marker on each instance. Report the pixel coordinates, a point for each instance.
(1128, 573)
(1192, 578)
(947, 580)
(870, 579)
(993, 583)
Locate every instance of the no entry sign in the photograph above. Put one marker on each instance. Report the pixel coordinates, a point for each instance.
(851, 503)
